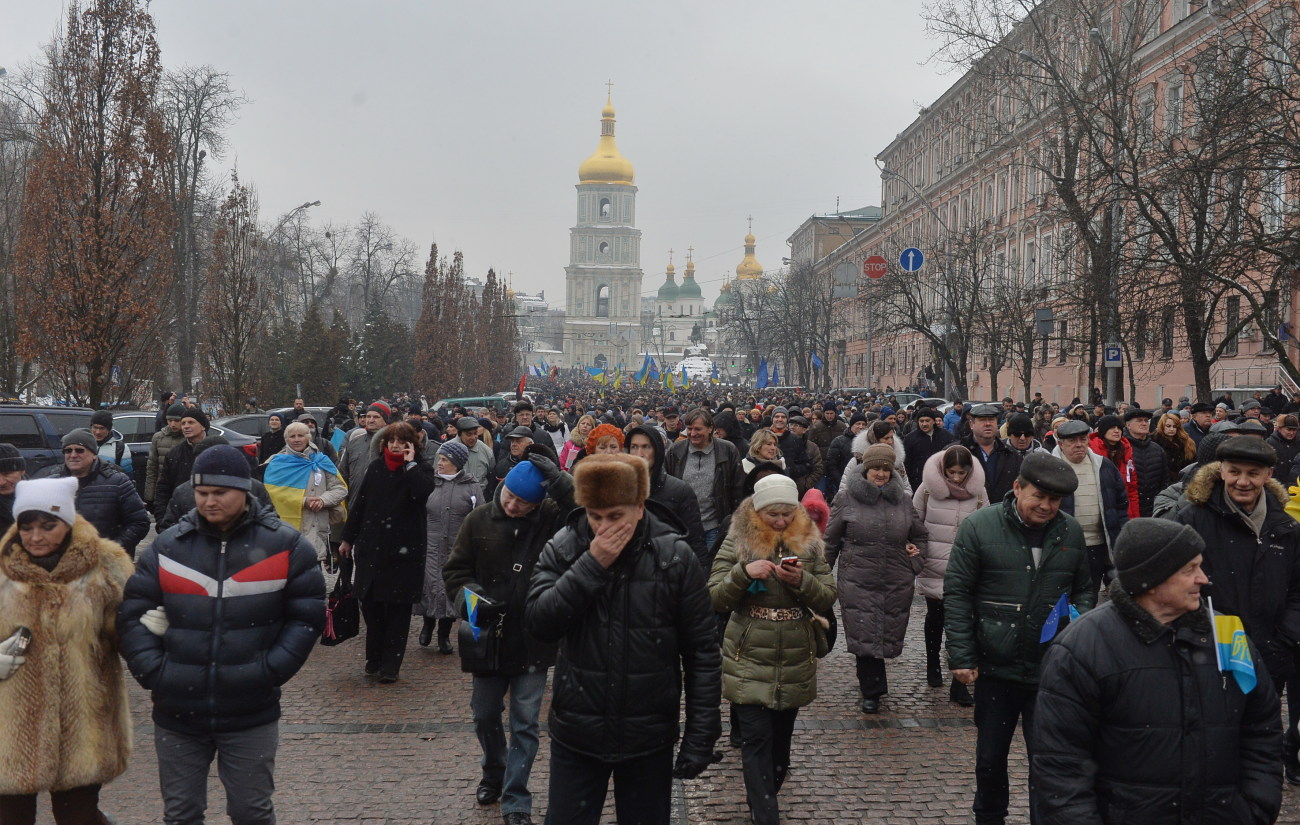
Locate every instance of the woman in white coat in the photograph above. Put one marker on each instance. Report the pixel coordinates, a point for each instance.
(952, 487)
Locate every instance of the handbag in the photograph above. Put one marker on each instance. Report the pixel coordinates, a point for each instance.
(481, 655)
(342, 612)
(825, 629)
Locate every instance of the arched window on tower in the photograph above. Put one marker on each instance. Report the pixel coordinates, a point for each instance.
(604, 248)
(602, 301)
(604, 209)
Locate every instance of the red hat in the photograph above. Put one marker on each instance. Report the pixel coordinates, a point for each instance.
(383, 409)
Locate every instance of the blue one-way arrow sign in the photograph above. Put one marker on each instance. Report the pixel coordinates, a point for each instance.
(911, 260)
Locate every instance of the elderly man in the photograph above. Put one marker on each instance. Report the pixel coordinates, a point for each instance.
(1011, 562)
(1001, 464)
(480, 459)
(106, 495)
(1252, 556)
(1145, 661)
(518, 440)
(1202, 418)
(1100, 503)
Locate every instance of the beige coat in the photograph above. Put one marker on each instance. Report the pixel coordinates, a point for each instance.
(331, 490)
(66, 722)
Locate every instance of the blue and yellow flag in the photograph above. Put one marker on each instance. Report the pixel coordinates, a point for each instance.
(1232, 650)
(472, 600)
(596, 373)
(287, 477)
(640, 375)
(714, 377)
(669, 381)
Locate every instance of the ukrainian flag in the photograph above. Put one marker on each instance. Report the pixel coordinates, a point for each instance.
(1232, 650)
(286, 479)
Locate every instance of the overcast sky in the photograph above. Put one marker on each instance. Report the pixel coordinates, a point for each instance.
(464, 123)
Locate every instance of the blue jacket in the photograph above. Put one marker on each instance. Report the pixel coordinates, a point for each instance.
(245, 610)
(950, 420)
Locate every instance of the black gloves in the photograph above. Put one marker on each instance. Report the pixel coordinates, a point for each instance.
(549, 469)
(690, 764)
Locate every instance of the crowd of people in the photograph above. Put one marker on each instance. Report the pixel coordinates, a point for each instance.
(652, 555)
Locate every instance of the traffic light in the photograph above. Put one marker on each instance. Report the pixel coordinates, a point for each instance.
(749, 368)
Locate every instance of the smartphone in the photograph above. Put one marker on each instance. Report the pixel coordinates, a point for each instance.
(24, 638)
(789, 559)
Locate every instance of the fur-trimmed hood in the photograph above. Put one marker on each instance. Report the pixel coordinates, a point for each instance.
(864, 439)
(755, 540)
(933, 480)
(1201, 488)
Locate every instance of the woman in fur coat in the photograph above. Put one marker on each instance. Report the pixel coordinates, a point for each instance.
(952, 487)
(67, 725)
(771, 572)
(877, 538)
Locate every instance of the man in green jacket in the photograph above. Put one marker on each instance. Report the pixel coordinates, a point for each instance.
(1009, 568)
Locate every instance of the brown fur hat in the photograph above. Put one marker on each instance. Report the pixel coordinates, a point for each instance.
(611, 480)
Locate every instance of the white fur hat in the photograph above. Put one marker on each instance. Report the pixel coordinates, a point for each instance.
(775, 489)
(56, 497)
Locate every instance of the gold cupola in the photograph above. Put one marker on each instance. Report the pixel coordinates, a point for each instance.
(607, 164)
(749, 269)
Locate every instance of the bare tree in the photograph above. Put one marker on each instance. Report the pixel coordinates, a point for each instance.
(233, 298)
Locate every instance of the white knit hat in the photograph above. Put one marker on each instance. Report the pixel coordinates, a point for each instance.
(775, 489)
(56, 497)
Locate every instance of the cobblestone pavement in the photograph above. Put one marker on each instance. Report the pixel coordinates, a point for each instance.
(354, 751)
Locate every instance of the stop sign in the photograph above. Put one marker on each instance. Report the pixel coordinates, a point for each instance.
(874, 267)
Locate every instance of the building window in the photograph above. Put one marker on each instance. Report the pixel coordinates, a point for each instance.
(604, 248)
(1167, 334)
(1231, 319)
(1273, 199)
(602, 301)
(1042, 354)
(1174, 106)
(604, 209)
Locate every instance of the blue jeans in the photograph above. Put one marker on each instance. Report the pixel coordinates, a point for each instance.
(508, 770)
(710, 536)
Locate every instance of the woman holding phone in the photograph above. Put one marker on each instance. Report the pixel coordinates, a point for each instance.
(67, 725)
(771, 572)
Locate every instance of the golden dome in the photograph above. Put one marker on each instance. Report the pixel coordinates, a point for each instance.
(749, 269)
(606, 164)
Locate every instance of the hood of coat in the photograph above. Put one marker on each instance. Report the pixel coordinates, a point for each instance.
(1200, 489)
(755, 540)
(82, 555)
(932, 477)
(1101, 448)
(864, 439)
(868, 493)
(656, 441)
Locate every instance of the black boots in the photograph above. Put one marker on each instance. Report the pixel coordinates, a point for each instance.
(1290, 760)
(933, 676)
(960, 694)
(444, 636)
(426, 631)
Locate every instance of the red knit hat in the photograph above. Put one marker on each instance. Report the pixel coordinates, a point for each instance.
(600, 432)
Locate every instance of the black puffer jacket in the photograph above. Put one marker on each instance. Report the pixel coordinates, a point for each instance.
(1152, 465)
(839, 456)
(488, 547)
(1000, 469)
(1136, 724)
(631, 636)
(245, 610)
(1254, 577)
(798, 462)
(1287, 450)
(676, 496)
(386, 526)
(918, 446)
(107, 498)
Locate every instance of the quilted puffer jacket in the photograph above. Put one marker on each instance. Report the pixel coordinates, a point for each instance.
(245, 609)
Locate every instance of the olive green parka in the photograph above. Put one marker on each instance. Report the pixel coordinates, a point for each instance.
(765, 662)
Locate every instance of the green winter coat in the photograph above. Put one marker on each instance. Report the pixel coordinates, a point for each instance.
(995, 601)
(764, 662)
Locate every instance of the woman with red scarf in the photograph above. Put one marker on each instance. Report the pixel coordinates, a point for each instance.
(386, 534)
(1108, 441)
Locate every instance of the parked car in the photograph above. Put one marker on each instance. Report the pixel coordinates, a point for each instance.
(252, 425)
(37, 431)
(493, 402)
(947, 405)
(143, 429)
(321, 414)
(929, 402)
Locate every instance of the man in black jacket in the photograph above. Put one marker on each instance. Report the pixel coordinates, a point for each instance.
(1001, 463)
(840, 454)
(106, 496)
(1145, 661)
(675, 495)
(180, 458)
(1149, 459)
(221, 612)
(927, 439)
(1252, 556)
(493, 557)
(623, 595)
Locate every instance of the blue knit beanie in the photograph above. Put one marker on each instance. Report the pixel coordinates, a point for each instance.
(456, 452)
(525, 481)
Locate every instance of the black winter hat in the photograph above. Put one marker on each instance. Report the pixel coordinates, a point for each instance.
(1250, 450)
(103, 418)
(222, 466)
(11, 461)
(924, 412)
(198, 415)
(1106, 422)
(1020, 424)
(1049, 474)
(1150, 550)
(176, 411)
(1206, 451)
(1136, 412)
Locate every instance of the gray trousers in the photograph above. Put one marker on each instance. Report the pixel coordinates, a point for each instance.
(245, 764)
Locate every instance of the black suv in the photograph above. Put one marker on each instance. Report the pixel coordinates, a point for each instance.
(38, 431)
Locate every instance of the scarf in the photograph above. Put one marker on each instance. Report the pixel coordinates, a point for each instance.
(393, 460)
(958, 492)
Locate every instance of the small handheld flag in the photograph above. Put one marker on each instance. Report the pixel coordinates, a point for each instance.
(472, 601)
(1231, 648)
(1061, 610)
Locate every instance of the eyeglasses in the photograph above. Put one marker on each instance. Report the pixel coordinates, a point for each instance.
(74, 450)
